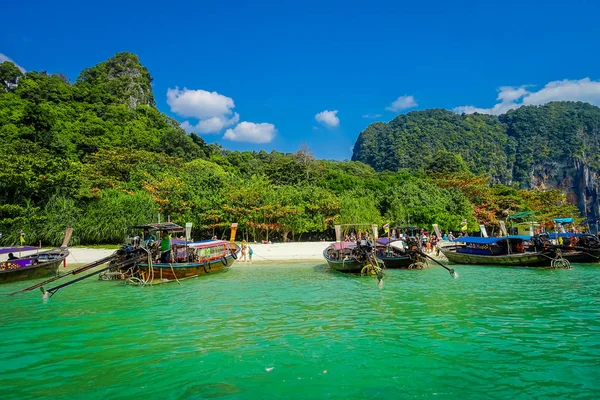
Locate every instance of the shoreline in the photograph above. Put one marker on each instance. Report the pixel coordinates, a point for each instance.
(263, 253)
(275, 252)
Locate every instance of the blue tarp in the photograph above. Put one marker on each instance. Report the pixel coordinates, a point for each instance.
(563, 235)
(563, 220)
(491, 240)
(16, 249)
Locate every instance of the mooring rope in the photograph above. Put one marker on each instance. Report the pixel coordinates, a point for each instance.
(173, 271)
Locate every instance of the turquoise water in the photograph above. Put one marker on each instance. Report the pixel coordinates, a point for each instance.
(301, 331)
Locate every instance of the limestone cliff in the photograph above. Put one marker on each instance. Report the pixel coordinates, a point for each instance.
(123, 77)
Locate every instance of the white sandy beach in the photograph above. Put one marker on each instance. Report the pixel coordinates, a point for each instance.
(297, 251)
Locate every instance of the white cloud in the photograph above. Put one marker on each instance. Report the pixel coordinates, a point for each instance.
(328, 118)
(4, 57)
(251, 132)
(498, 109)
(198, 103)
(211, 125)
(510, 97)
(213, 110)
(371, 116)
(509, 93)
(581, 90)
(402, 103)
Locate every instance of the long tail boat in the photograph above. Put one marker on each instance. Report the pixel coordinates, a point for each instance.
(514, 250)
(344, 257)
(181, 259)
(190, 260)
(350, 257)
(394, 254)
(577, 247)
(33, 265)
(142, 261)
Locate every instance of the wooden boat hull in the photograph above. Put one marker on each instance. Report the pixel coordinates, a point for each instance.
(512, 260)
(163, 272)
(348, 265)
(31, 267)
(582, 257)
(396, 262)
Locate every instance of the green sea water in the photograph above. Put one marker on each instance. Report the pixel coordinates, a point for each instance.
(301, 331)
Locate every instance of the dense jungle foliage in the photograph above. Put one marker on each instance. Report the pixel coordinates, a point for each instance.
(97, 155)
(507, 148)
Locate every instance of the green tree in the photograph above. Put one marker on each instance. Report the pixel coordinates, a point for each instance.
(446, 162)
(9, 75)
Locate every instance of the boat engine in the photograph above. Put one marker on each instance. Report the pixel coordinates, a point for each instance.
(542, 241)
(589, 241)
(133, 241)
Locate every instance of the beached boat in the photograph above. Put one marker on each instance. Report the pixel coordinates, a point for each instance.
(349, 257)
(395, 255)
(143, 260)
(354, 257)
(190, 260)
(577, 247)
(345, 257)
(181, 259)
(32, 265)
(515, 251)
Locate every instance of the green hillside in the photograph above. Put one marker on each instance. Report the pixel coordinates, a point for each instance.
(507, 148)
(413, 140)
(98, 156)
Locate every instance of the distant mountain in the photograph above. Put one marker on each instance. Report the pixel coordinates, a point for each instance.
(110, 105)
(551, 146)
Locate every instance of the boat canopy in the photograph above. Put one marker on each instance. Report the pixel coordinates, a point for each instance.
(343, 245)
(166, 226)
(563, 235)
(16, 249)
(563, 220)
(203, 244)
(490, 240)
(388, 241)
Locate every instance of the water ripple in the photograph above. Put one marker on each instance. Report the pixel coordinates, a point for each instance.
(301, 331)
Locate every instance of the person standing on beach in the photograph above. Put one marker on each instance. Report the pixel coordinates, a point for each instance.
(244, 251)
(250, 252)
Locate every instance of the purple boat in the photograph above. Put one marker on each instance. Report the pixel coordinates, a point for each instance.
(31, 266)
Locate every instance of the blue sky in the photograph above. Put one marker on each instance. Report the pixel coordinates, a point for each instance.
(263, 71)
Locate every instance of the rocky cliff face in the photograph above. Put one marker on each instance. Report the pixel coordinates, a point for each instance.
(123, 77)
(130, 80)
(576, 179)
